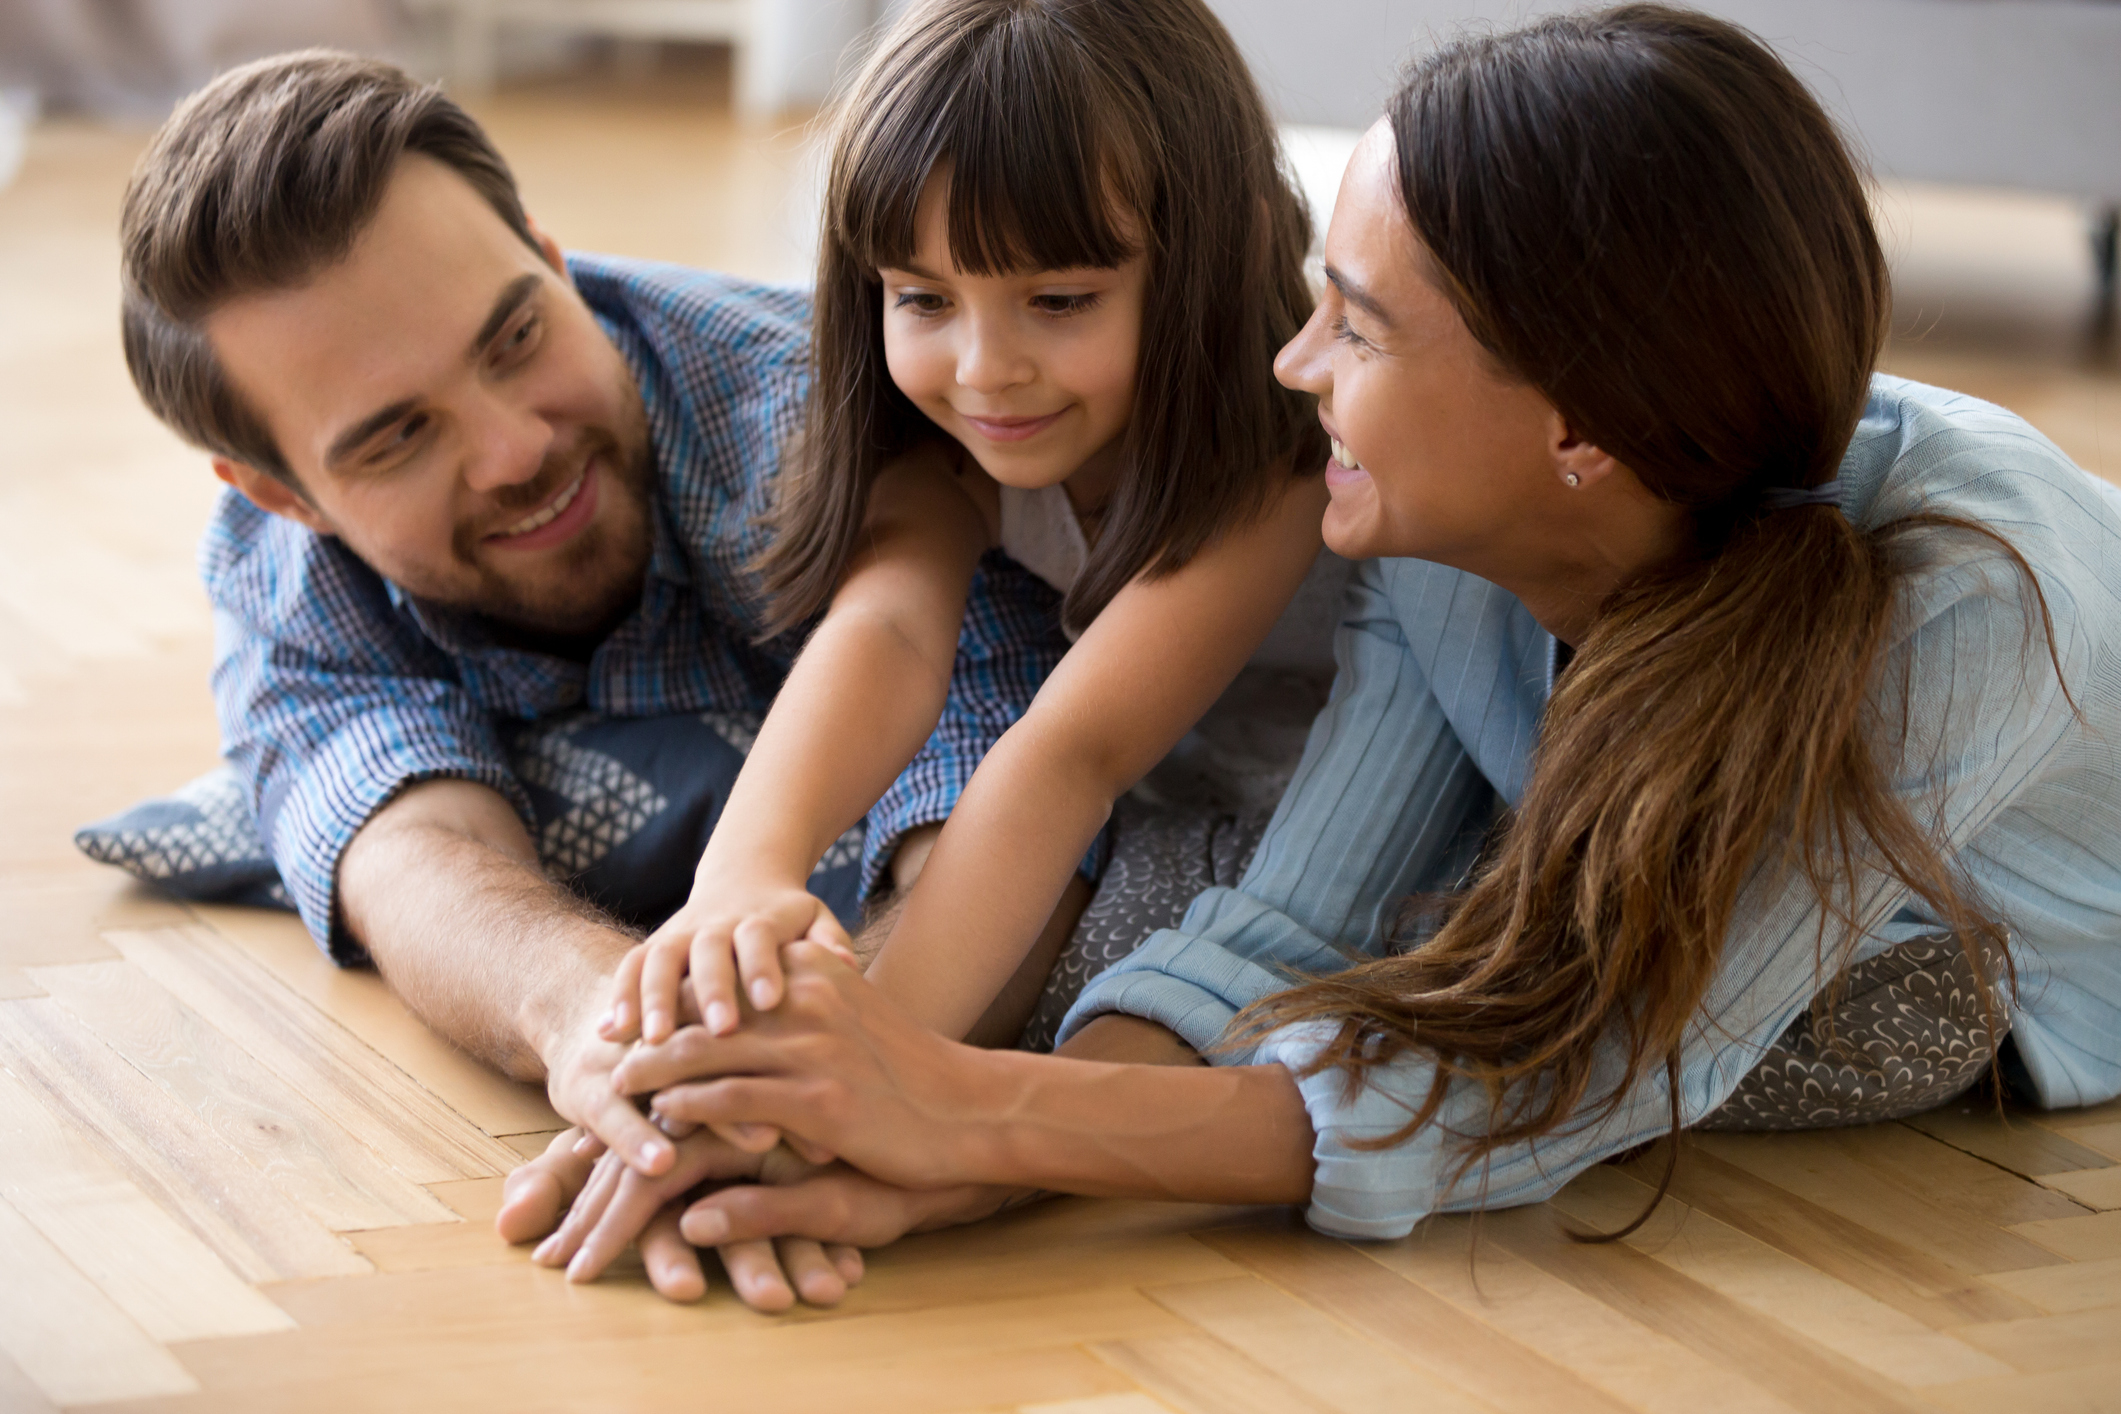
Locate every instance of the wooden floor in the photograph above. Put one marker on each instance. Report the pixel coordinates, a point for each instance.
(234, 1178)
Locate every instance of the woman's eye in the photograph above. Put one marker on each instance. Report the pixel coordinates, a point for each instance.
(1064, 304)
(919, 301)
(1347, 335)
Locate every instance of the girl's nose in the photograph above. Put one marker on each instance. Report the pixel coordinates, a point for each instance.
(990, 360)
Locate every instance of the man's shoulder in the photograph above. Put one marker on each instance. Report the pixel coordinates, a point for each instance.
(282, 579)
(682, 312)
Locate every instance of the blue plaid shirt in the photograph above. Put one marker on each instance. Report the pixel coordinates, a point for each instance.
(336, 689)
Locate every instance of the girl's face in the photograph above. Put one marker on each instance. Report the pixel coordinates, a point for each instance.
(1032, 373)
(1437, 455)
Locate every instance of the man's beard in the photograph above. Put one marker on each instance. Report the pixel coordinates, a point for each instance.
(596, 578)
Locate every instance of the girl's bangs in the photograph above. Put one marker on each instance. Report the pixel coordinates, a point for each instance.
(1044, 172)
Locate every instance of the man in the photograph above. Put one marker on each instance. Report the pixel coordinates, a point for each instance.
(474, 484)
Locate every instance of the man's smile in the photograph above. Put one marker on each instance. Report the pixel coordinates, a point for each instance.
(555, 521)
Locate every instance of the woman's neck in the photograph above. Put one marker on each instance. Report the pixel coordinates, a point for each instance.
(1619, 538)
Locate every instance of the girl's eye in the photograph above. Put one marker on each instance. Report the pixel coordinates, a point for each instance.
(1347, 335)
(921, 302)
(1064, 304)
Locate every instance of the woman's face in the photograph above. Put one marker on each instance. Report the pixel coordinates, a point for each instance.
(1437, 455)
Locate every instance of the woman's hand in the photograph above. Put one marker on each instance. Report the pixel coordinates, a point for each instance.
(839, 1067)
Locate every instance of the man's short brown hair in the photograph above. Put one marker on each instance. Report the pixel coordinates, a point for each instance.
(257, 182)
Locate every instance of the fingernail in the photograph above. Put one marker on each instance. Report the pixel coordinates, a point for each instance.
(608, 1023)
(545, 1249)
(581, 1145)
(577, 1269)
(708, 1228)
(762, 994)
(654, 1026)
(721, 1018)
(651, 1151)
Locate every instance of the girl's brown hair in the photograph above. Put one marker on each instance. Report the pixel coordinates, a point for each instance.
(1643, 214)
(1075, 133)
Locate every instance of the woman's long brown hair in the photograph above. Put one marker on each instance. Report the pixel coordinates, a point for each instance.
(1645, 215)
(1075, 133)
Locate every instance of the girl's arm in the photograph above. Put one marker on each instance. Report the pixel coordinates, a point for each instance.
(866, 692)
(1143, 673)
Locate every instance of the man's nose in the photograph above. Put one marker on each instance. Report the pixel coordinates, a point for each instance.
(505, 445)
(990, 359)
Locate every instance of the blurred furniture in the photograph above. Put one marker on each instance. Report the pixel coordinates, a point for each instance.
(786, 51)
(2009, 93)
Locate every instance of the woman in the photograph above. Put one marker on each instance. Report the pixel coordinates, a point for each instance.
(1696, 666)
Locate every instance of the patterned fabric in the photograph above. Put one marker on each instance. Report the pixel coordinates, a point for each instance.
(622, 808)
(1904, 1033)
(335, 689)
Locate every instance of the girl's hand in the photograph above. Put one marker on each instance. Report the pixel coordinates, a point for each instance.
(730, 939)
(838, 1067)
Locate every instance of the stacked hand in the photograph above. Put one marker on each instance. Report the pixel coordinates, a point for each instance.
(816, 1051)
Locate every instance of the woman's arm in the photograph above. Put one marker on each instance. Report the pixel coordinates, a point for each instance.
(841, 1066)
(1143, 673)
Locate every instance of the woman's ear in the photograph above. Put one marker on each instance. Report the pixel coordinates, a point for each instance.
(1578, 463)
(272, 495)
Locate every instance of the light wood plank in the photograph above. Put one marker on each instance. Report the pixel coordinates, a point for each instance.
(1795, 1294)
(1803, 1374)
(1334, 1366)
(340, 1181)
(390, 1112)
(2085, 1239)
(1836, 1216)
(1458, 1260)
(358, 1000)
(1131, 1403)
(2104, 1139)
(1201, 1375)
(50, 922)
(2098, 1189)
(2041, 1343)
(529, 1146)
(19, 1393)
(2084, 1117)
(2012, 1140)
(2089, 1389)
(15, 984)
(2080, 1286)
(151, 1266)
(1931, 1187)
(69, 1338)
(162, 1148)
(1410, 1320)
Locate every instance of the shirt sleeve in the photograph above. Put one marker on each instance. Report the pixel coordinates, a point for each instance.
(329, 706)
(1384, 805)
(1010, 644)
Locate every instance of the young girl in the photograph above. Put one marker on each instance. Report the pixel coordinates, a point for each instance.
(1058, 256)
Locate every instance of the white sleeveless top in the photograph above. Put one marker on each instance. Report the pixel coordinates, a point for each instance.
(1040, 532)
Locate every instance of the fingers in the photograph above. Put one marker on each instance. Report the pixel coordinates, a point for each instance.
(622, 1022)
(758, 957)
(751, 1138)
(805, 1266)
(841, 1208)
(583, 1216)
(714, 982)
(847, 1260)
(755, 1271)
(747, 1101)
(662, 974)
(534, 1195)
(673, 1264)
(612, 1118)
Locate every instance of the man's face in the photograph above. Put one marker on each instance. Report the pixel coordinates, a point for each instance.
(453, 413)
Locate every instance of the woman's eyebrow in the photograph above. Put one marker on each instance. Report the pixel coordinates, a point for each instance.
(1356, 295)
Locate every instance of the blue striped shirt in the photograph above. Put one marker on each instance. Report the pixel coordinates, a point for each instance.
(1442, 682)
(336, 689)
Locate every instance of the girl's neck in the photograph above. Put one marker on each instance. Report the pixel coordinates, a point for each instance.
(1090, 485)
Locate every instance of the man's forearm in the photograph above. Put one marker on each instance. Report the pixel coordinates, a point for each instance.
(442, 887)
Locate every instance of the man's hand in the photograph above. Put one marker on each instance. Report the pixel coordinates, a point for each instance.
(611, 1203)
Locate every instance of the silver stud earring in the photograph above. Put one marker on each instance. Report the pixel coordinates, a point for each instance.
(1573, 479)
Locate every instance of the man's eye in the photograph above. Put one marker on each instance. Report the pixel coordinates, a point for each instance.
(399, 438)
(517, 340)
